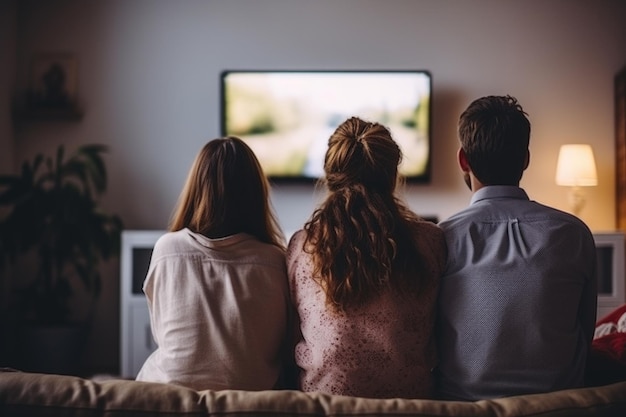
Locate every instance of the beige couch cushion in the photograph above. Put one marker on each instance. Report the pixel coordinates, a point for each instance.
(27, 394)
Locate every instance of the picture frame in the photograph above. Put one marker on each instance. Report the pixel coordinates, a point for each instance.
(620, 149)
(53, 81)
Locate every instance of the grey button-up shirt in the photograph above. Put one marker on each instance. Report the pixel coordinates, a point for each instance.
(517, 304)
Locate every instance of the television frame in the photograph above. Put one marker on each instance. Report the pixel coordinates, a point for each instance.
(419, 154)
(614, 273)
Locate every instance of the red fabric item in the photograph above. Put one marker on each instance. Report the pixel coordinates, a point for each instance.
(613, 316)
(612, 345)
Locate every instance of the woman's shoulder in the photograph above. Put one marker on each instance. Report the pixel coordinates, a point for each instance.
(171, 242)
(430, 238)
(297, 236)
(250, 247)
(268, 249)
(296, 241)
(169, 239)
(428, 228)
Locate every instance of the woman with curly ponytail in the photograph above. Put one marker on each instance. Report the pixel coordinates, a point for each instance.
(363, 276)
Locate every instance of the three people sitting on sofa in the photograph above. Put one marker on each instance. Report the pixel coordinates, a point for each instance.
(370, 300)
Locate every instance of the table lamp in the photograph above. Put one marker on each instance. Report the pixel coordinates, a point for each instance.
(576, 168)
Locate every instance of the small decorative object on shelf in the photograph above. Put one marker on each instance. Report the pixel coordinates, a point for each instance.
(52, 91)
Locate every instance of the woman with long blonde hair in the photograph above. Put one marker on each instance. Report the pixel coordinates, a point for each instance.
(363, 276)
(217, 286)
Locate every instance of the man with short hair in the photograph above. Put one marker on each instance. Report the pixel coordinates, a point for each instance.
(517, 304)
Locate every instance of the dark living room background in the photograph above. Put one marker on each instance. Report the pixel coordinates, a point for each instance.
(148, 86)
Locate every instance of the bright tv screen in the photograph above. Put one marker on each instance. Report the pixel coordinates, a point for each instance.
(287, 117)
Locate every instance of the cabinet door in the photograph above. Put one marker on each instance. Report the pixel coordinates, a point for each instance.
(141, 342)
(620, 148)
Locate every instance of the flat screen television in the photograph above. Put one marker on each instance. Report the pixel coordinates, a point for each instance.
(287, 116)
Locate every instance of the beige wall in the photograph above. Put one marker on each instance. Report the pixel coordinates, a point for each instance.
(149, 83)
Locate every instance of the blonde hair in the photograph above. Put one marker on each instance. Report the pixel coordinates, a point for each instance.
(362, 237)
(225, 193)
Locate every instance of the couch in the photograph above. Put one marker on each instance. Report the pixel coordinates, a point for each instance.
(34, 395)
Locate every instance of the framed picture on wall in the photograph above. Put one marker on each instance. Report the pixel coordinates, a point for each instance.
(620, 149)
(51, 92)
(53, 81)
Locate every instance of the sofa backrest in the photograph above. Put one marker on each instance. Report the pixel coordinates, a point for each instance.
(30, 394)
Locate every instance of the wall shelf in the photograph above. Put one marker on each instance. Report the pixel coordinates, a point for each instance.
(28, 114)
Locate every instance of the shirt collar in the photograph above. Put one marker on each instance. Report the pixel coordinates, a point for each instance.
(218, 242)
(499, 191)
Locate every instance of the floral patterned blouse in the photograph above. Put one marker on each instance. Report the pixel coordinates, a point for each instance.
(384, 349)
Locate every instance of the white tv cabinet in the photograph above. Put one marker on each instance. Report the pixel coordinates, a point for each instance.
(611, 271)
(136, 342)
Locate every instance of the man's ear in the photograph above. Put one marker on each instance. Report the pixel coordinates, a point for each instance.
(527, 161)
(462, 159)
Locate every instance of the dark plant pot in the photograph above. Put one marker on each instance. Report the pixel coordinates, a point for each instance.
(54, 349)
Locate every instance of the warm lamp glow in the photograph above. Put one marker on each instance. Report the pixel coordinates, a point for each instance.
(576, 168)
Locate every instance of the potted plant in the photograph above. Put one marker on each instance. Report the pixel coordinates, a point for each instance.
(53, 226)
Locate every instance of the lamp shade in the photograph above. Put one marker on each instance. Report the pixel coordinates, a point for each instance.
(576, 166)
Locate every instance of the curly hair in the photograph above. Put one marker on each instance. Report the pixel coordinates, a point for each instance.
(362, 237)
